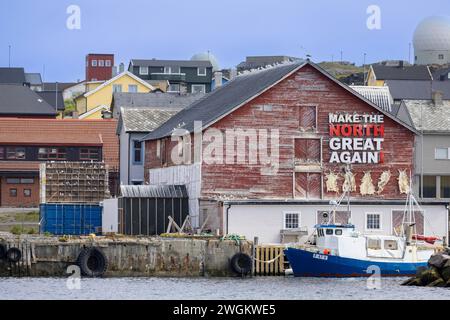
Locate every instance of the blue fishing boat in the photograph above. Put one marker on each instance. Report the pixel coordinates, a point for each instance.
(338, 250)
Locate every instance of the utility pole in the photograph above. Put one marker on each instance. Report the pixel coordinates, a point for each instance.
(342, 56)
(364, 65)
(9, 56)
(56, 96)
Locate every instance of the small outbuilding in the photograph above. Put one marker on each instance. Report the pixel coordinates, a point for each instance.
(145, 210)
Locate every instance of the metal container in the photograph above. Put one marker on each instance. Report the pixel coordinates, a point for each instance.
(70, 219)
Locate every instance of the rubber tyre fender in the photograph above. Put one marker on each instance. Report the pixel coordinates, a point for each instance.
(2, 252)
(92, 262)
(13, 255)
(241, 263)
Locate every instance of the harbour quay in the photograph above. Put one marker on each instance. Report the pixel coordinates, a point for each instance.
(114, 256)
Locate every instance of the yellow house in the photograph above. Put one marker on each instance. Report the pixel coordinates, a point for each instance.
(91, 104)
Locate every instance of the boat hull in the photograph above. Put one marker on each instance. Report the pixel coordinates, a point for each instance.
(309, 264)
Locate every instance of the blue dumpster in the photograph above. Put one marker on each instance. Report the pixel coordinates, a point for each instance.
(70, 219)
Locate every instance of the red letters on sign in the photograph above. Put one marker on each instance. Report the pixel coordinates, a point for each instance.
(356, 130)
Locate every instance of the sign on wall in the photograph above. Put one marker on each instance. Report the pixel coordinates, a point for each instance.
(356, 138)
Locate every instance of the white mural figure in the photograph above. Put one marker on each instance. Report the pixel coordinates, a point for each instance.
(349, 182)
(367, 186)
(383, 181)
(403, 182)
(332, 180)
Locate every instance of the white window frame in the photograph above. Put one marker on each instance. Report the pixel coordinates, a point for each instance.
(168, 70)
(135, 86)
(117, 85)
(143, 71)
(298, 213)
(201, 74)
(158, 148)
(94, 63)
(380, 214)
(198, 85)
(108, 63)
(101, 63)
(441, 56)
(448, 154)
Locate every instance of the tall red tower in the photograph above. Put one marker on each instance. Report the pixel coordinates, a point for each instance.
(99, 67)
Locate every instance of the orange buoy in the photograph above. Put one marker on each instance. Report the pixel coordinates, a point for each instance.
(326, 251)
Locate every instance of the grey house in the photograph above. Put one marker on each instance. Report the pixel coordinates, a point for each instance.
(432, 152)
(184, 76)
(139, 114)
(134, 124)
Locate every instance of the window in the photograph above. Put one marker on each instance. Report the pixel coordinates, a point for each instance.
(52, 154)
(374, 244)
(390, 245)
(27, 193)
(101, 63)
(308, 118)
(329, 232)
(15, 153)
(94, 63)
(137, 152)
(338, 232)
(13, 192)
(132, 88)
(172, 70)
(373, 221)
(108, 63)
(2, 153)
(143, 70)
(88, 154)
(441, 57)
(117, 88)
(429, 187)
(137, 183)
(291, 220)
(441, 154)
(27, 181)
(198, 88)
(445, 186)
(174, 87)
(201, 71)
(12, 180)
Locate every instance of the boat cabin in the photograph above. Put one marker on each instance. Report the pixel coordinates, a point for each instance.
(344, 241)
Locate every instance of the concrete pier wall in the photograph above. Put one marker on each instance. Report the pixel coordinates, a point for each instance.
(127, 257)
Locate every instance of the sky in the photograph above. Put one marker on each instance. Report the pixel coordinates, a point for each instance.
(230, 29)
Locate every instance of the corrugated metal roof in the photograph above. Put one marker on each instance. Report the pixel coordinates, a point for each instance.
(378, 95)
(145, 191)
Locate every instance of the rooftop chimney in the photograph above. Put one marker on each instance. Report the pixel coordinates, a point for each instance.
(437, 98)
(121, 67)
(218, 79)
(233, 73)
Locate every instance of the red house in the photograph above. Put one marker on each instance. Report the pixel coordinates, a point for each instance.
(276, 141)
(99, 67)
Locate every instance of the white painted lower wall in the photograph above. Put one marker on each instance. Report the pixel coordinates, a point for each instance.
(188, 175)
(110, 216)
(265, 221)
